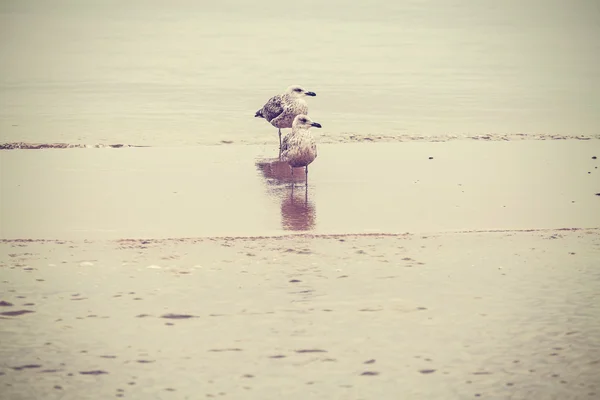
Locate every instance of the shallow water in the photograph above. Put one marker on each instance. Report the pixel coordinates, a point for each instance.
(194, 72)
(352, 188)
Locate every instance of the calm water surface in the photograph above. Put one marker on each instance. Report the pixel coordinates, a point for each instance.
(194, 72)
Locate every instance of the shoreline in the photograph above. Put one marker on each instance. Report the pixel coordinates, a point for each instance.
(301, 235)
(323, 138)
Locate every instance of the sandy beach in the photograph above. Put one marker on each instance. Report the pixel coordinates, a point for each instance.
(445, 247)
(506, 315)
(401, 270)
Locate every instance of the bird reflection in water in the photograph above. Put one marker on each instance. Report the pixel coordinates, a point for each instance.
(298, 213)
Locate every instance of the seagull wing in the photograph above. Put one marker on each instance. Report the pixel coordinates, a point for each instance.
(285, 144)
(273, 108)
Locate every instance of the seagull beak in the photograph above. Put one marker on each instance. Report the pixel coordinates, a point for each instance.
(311, 94)
(316, 124)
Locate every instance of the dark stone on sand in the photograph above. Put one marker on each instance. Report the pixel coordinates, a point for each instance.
(427, 371)
(369, 361)
(311, 351)
(178, 316)
(28, 366)
(5, 304)
(15, 313)
(295, 281)
(94, 372)
(431, 158)
(370, 373)
(594, 157)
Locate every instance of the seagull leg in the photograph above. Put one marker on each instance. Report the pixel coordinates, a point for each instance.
(306, 174)
(292, 168)
(279, 142)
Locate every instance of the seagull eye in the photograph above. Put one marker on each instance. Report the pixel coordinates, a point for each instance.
(297, 90)
(303, 120)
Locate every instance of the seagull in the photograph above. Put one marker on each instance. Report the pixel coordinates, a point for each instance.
(281, 110)
(299, 147)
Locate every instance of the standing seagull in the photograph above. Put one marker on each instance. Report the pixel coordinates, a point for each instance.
(281, 110)
(299, 148)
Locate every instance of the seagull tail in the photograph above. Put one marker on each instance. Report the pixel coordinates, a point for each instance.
(259, 114)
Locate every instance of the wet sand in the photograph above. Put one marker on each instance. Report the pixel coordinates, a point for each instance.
(441, 316)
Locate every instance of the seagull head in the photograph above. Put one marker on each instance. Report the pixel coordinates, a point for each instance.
(299, 91)
(304, 122)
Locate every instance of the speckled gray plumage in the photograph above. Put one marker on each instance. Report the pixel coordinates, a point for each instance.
(281, 110)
